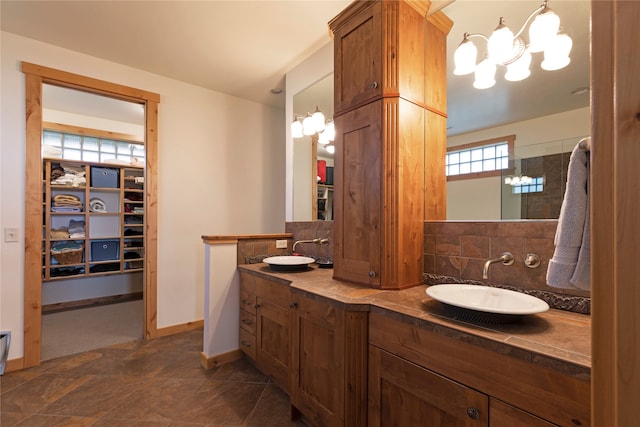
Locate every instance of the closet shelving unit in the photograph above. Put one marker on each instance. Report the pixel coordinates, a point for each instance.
(120, 228)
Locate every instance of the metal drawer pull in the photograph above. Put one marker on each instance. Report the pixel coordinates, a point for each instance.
(293, 304)
(246, 344)
(473, 413)
(373, 85)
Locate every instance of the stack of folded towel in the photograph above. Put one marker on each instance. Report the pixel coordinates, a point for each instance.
(97, 205)
(66, 203)
(70, 175)
(76, 229)
(59, 233)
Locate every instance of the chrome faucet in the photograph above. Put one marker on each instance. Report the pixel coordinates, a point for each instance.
(506, 259)
(317, 241)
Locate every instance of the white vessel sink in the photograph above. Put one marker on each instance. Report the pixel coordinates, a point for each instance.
(288, 262)
(487, 299)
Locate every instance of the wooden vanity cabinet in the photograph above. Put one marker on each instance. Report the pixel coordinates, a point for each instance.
(389, 103)
(504, 415)
(381, 49)
(265, 326)
(329, 367)
(450, 381)
(357, 203)
(402, 393)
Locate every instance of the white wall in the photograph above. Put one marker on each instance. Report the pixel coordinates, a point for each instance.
(217, 175)
(546, 135)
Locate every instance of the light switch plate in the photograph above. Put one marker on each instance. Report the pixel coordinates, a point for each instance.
(281, 244)
(10, 234)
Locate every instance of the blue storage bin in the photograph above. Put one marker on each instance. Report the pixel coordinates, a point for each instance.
(105, 177)
(105, 250)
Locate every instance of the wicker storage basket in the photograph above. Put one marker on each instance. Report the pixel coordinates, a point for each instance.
(67, 256)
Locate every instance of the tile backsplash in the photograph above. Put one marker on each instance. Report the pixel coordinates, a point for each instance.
(309, 230)
(459, 249)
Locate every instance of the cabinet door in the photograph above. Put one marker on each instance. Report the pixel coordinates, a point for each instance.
(504, 415)
(317, 387)
(358, 195)
(404, 394)
(273, 340)
(358, 58)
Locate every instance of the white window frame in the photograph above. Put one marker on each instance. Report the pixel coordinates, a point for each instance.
(509, 140)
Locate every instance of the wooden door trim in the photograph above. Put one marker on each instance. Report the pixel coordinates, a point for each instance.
(615, 225)
(35, 76)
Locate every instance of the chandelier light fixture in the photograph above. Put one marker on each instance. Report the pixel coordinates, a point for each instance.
(512, 51)
(518, 180)
(313, 124)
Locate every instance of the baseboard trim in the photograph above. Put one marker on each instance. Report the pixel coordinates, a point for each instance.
(91, 302)
(220, 359)
(170, 330)
(14, 365)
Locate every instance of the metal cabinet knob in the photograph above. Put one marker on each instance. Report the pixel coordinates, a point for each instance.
(257, 306)
(473, 413)
(373, 85)
(532, 261)
(293, 304)
(372, 274)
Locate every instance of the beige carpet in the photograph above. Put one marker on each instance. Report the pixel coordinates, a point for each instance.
(76, 331)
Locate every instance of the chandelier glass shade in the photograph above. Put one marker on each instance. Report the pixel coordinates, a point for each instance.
(296, 129)
(313, 124)
(504, 48)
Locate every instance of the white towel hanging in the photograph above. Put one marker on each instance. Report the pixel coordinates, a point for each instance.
(570, 265)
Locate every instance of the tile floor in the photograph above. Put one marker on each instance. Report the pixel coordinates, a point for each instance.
(156, 383)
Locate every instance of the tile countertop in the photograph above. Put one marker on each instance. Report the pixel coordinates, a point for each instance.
(557, 339)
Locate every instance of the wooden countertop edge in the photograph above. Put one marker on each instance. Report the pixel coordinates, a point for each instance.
(351, 304)
(553, 360)
(231, 238)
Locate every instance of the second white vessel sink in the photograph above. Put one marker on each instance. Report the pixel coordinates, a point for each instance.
(487, 299)
(289, 262)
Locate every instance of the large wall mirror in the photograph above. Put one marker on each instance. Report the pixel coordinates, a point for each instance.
(312, 186)
(548, 113)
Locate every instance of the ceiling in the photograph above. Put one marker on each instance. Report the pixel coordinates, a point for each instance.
(244, 48)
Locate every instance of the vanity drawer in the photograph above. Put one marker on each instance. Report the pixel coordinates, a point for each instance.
(248, 322)
(247, 302)
(248, 343)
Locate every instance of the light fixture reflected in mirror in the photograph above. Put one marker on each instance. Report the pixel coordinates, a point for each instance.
(296, 128)
(511, 50)
(518, 180)
(308, 126)
(330, 148)
(312, 124)
(318, 120)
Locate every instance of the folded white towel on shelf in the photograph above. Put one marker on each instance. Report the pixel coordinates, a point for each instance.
(97, 205)
(570, 266)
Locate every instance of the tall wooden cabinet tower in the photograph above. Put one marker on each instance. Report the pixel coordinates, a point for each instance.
(390, 104)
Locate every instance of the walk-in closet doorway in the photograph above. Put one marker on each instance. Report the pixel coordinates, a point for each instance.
(90, 213)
